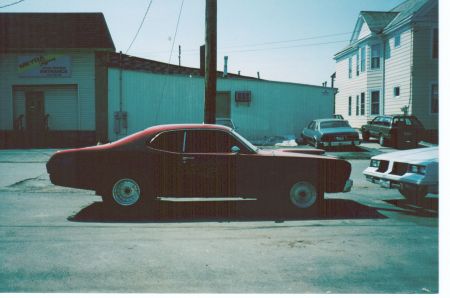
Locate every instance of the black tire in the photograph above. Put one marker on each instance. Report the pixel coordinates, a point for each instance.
(414, 194)
(317, 144)
(124, 192)
(365, 136)
(382, 141)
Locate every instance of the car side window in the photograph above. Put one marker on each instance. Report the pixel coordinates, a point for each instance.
(209, 141)
(171, 141)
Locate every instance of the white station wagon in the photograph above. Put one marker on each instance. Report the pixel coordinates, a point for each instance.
(415, 173)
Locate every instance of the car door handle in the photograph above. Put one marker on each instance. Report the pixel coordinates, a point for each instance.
(184, 159)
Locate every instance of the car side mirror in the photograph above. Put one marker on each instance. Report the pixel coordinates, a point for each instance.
(235, 149)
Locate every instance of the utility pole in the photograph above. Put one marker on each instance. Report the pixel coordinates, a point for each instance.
(211, 61)
(179, 55)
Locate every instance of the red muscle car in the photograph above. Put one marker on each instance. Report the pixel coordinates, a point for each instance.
(201, 161)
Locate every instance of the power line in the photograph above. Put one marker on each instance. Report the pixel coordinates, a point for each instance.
(176, 30)
(287, 47)
(195, 51)
(11, 4)
(264, 43)
(289, 40)
(140, 26)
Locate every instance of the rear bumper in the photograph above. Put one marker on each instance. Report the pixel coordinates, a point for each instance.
(341, 143)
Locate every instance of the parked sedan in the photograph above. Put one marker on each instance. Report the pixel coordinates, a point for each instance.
(415, 173)
(330, 132)
(201, 161)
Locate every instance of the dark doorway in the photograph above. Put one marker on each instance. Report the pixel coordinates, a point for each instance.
(223, 105)
(35, 118)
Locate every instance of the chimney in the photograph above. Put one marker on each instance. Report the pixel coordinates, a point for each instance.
(258, 76)
(202, 60)
(225, 66)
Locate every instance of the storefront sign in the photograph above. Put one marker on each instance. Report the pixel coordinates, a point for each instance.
(45, 65)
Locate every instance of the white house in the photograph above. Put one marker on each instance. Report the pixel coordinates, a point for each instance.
(391, 65)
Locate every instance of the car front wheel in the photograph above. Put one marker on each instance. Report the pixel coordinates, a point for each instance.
(413, 194)
(365, 136)
(303, 195)
(382, 140)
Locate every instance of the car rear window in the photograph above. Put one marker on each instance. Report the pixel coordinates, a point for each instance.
(169, 141)
(332, 124)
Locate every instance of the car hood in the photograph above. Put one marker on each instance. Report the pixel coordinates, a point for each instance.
(309, 153)
(334, 130)
(428, 154)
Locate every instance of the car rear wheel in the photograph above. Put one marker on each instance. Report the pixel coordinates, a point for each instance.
(123, 192)
(365, 136)
(317, 144)
(303, 195)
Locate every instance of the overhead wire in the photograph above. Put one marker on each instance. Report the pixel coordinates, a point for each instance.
(268, 42)
(11, 4)
(140, 26)
(170, 57)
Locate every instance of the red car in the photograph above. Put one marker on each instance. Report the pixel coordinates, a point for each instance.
(201, 161)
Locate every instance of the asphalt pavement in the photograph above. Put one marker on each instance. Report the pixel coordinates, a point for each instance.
(56, 239)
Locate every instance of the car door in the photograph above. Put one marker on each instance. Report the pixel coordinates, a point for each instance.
(166, 163)
(374, 127)
(209, 163)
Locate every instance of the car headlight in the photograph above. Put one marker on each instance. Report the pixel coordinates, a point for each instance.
(375, 163)
(417, 169)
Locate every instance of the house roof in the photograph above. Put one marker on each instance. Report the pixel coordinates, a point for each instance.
(380, 21)
(54, 30)
(406, 10)
(124, 61)
(377, 20)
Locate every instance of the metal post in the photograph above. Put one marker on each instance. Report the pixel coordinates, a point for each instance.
(211, 61)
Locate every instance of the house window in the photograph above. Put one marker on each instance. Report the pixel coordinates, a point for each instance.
(435, 43)
(434, 99)
(375, 57)
(375, 103)
(350, 67)
(357, 105)
(349, 105)
(363, 59)
(397, 40)
(357, 63)
(363, 104)
(396, 91)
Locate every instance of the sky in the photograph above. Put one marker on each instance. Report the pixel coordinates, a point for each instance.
(283, 40)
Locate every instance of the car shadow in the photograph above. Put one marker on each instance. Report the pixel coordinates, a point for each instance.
(224, 211)
(426, 207)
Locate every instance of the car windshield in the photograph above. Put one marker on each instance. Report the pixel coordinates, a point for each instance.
(245, 141)
(333, 124)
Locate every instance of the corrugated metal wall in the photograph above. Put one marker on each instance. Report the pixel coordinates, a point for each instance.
(276, 108)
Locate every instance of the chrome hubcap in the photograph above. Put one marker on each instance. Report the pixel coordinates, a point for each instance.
(303, 194)
(126, 192)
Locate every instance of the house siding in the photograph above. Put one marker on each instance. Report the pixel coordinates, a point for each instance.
(398, 71)
(425, 72)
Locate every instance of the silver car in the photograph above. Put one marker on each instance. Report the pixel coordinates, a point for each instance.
(329, 133)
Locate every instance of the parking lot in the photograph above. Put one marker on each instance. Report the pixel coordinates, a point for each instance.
(56, 239)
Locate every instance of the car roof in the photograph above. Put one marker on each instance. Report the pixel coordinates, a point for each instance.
(167, 127)
(329, 119)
